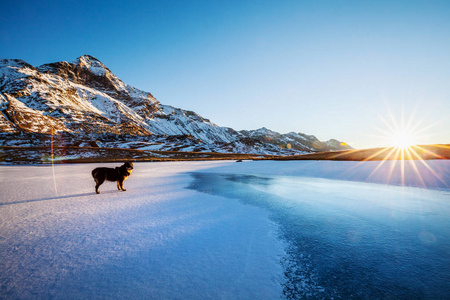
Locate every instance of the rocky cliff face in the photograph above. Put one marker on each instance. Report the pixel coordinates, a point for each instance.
(85, 99)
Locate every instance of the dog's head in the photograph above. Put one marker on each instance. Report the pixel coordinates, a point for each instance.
(128, 166)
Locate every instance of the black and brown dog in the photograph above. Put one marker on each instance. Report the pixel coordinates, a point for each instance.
(118, 174)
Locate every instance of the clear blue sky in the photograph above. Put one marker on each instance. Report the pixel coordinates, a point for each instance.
(333, 69)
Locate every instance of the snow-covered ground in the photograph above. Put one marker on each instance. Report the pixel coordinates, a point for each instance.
(226, 230)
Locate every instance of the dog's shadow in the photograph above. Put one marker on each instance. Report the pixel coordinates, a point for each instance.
(49, 198)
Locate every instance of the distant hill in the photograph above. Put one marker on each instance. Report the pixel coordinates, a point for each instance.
(418, 152)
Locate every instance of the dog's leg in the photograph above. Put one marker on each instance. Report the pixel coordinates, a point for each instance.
(120, 182)
(118, 185)
(98, 183)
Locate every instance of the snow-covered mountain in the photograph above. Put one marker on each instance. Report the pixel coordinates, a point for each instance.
(84, 100)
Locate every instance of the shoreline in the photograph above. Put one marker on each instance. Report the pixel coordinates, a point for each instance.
(16, 155)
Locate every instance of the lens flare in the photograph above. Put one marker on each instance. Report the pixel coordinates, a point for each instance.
(53, 163)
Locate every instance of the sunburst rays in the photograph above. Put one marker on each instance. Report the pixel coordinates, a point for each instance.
(404, 155)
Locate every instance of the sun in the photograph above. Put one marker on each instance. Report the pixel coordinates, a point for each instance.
(403, 139)
(402, 133)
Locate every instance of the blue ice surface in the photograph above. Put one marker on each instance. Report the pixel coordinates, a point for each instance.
(350, 239)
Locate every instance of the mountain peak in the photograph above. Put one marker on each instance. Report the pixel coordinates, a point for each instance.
(263, 130)
(87, 58)
(91, 63)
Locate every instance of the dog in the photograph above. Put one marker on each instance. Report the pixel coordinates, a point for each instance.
(119, 174)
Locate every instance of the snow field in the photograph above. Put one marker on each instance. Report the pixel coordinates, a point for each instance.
(157, 240)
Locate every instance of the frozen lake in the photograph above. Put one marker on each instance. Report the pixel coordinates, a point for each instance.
(351, 239)
(210, 230)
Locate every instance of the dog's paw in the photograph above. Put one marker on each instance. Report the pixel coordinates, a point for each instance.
(98, 192)
(123, 190)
